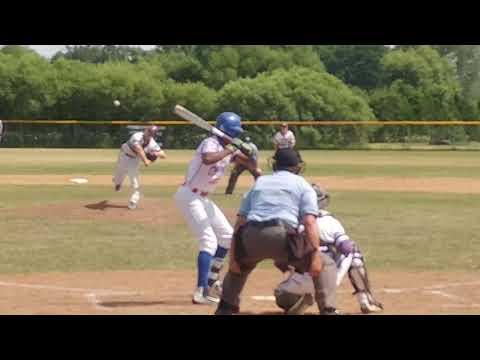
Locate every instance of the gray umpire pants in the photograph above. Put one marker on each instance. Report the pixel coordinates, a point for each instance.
(257, 243)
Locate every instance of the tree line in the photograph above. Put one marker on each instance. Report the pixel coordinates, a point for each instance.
(260, 82)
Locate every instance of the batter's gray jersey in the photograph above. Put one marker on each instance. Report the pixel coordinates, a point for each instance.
(255, 151)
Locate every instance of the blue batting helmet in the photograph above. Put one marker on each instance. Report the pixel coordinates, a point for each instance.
(230, 123)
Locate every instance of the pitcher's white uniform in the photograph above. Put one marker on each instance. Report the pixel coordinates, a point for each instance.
(129, 163)
(284, 141)
(204, 218)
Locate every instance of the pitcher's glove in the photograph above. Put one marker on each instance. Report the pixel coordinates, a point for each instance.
(151, 157)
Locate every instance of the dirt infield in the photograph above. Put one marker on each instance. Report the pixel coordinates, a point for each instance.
(391, 184)
(169, 292)
(150, 212)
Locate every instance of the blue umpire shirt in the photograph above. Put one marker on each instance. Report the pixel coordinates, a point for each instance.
(283, 196)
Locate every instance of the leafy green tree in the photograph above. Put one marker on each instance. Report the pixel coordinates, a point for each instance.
(25, 88)
(99, 54)
(356, 65)
(419, 84)
(299, 94)
(196, 97)
(228, 63)
(180, 67)
(17, 50)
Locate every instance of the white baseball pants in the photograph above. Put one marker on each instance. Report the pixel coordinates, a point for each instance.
(205, 220)
(128, 166)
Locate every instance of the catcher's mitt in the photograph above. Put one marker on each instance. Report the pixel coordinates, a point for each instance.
(151, 157)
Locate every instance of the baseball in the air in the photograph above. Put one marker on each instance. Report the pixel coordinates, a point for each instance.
(116, 103)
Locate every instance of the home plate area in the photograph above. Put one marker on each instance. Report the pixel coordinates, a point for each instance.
(169, 293)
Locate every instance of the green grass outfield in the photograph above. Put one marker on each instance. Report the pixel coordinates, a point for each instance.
(397, 231)
(320, 163)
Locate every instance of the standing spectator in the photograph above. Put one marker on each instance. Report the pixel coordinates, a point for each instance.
(284, 139)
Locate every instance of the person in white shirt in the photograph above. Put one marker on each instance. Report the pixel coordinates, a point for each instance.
(295, 294)
(2, 129)
(284, 139)
(203, 216)
(139, 147)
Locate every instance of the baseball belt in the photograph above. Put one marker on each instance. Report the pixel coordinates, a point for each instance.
(130, 156)
(196, 191)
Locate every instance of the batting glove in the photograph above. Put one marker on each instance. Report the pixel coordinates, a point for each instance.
(243, 147)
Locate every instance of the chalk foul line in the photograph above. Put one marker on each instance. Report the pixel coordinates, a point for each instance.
(68, 289)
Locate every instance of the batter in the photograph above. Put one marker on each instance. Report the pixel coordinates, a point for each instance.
(203, 216)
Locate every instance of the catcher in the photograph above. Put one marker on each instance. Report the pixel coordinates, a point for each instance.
(141, 146)
(295, 294)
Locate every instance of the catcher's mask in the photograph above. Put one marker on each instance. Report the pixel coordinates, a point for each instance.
(289, 160)
(285, 300)
(323, 197)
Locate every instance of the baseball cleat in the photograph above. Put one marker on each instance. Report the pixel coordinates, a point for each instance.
(368, 304)
(200, 297)
(132, 205)
(370, 308)
(226, 309)
(330, 311)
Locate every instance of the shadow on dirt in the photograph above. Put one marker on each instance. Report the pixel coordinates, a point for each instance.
(267, 313)
(120, 304)
(103, 205)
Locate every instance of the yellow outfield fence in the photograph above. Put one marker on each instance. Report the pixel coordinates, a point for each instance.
(255, 123)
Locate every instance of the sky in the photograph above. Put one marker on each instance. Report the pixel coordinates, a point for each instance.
(50, 50)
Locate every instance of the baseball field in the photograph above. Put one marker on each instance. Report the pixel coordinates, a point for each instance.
(68, 248)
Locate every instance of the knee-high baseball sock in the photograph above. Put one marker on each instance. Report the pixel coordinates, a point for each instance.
(216, 265)
(203, 264)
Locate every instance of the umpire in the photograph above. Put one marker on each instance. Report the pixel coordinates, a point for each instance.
(266, 228)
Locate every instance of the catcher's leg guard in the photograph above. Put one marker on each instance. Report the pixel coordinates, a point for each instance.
(358, 276)
(217, 265)
(214, 283)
